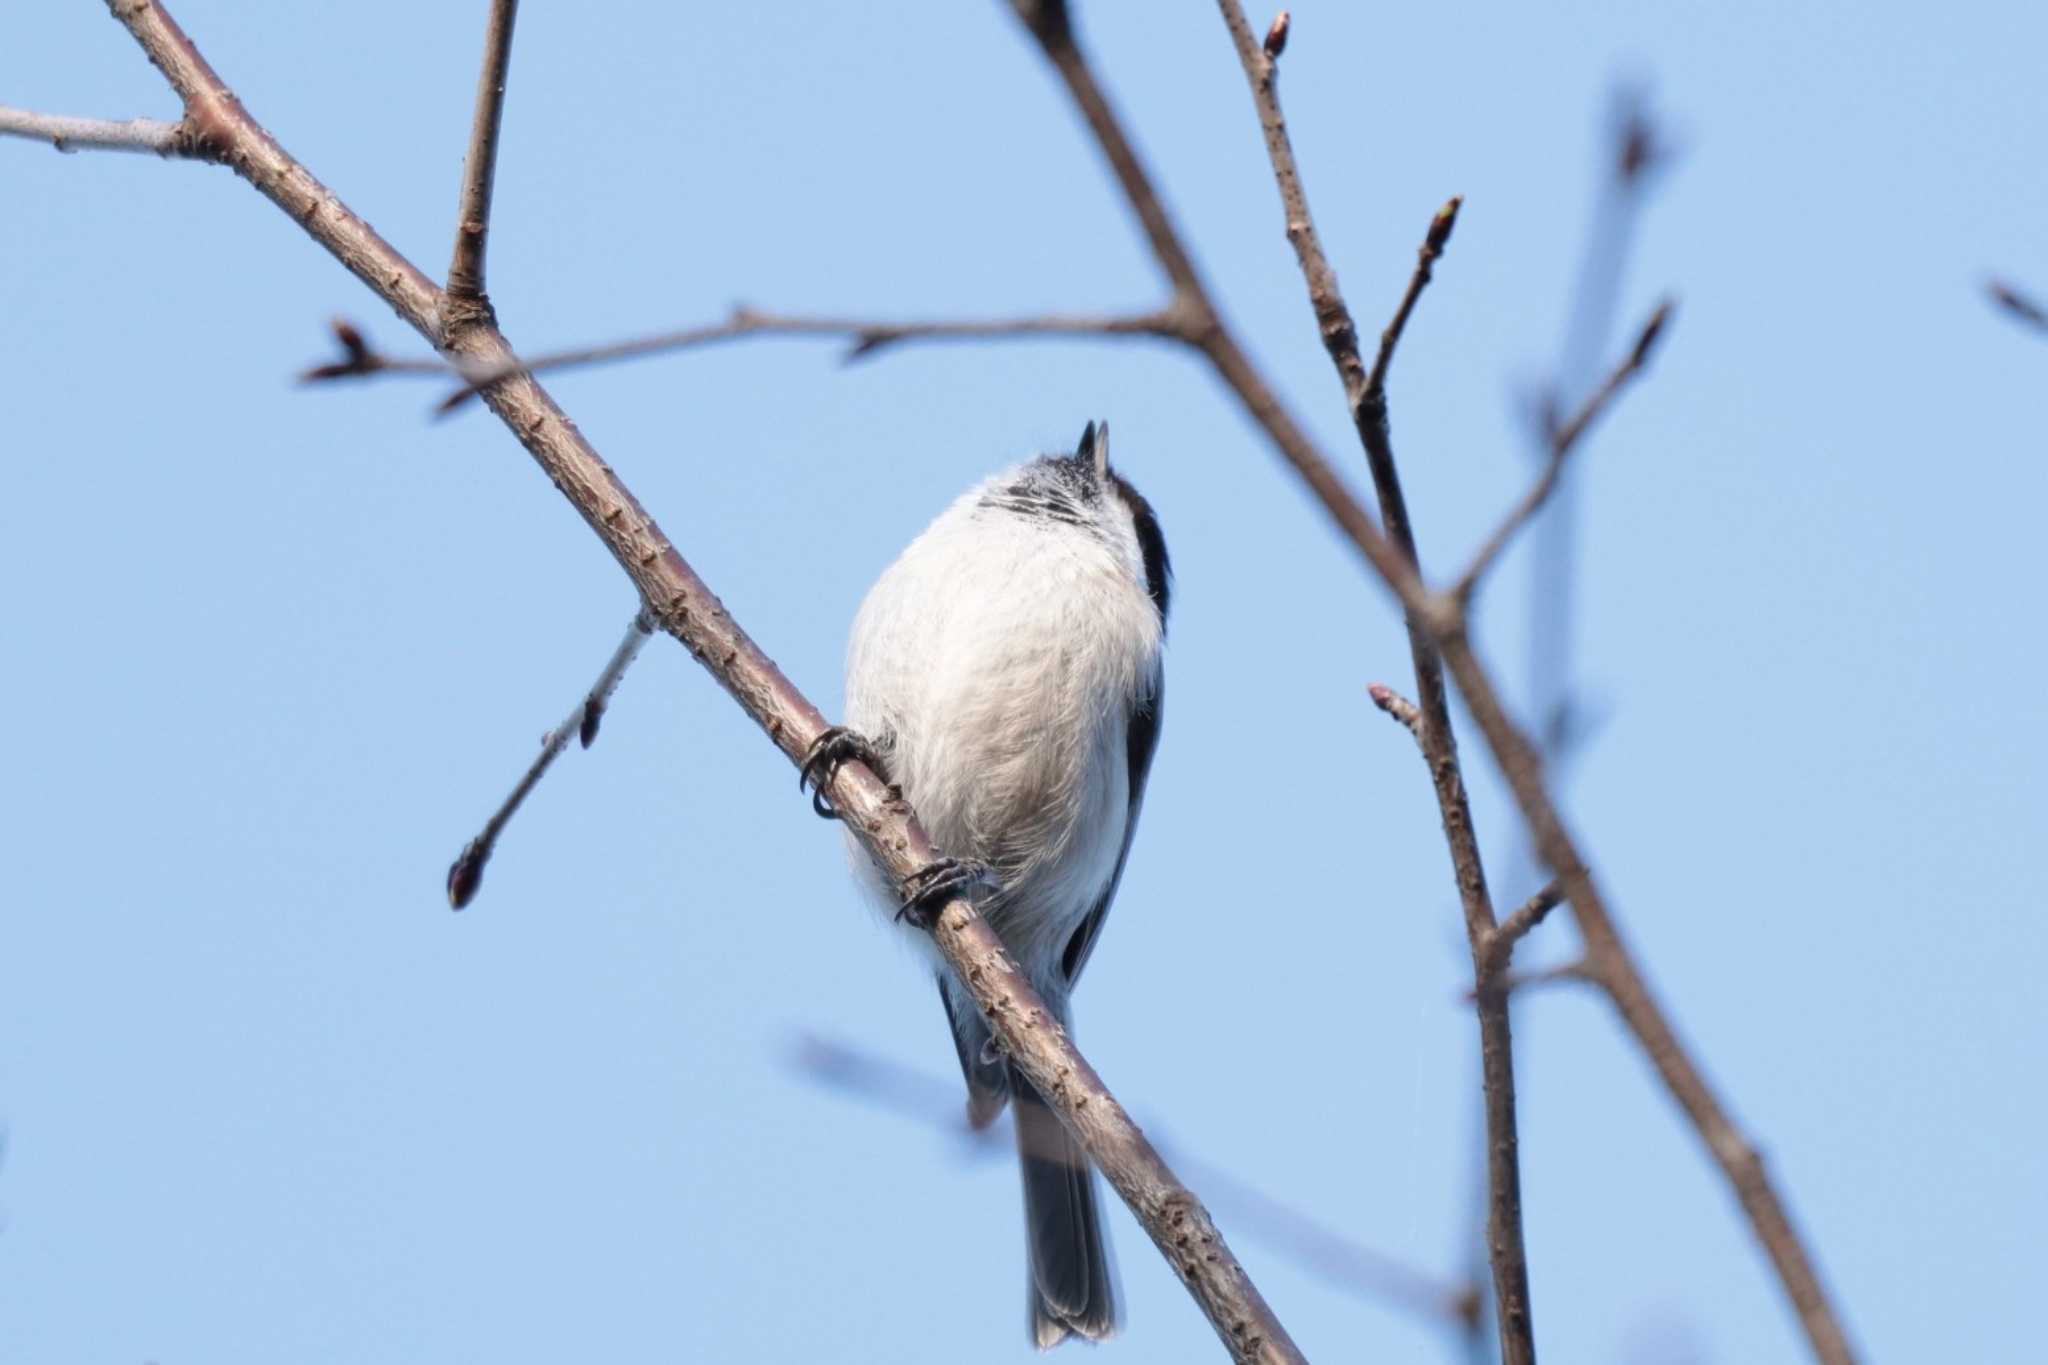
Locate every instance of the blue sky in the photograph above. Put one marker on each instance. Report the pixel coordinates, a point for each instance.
(274, 653)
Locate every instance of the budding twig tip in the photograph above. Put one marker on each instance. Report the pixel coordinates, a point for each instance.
(466, 874)
(1276, 36)
(1652, 329)
(1441, 225)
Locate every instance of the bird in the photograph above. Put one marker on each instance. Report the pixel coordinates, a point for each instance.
(1005, 673)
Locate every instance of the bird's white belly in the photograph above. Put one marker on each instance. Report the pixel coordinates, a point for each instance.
(1008, 736)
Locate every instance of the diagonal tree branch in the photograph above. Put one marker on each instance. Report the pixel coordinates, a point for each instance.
(480, 167)
(1366, 394)
(684, 606)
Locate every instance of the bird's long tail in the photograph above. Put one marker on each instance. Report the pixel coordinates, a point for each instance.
(1073, 1282)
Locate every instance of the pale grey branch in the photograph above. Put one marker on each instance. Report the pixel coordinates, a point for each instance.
(69, 134)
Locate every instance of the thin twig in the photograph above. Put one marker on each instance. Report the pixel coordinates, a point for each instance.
(1516, 927)
(1562, 442)
(1579, 971)
(480, 167)
(1426, 256)
(1443, 617)
(1350, 1266)
(1431, 724)
(2017, 305)
(98, 134)
(360, 360)
(866, 337)
(684, 606)
(1513, 983)
(466, 873)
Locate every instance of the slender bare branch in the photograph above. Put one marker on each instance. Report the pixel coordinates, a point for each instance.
(1432, 249)
(684, 606)
(2009, 298)
(69, 134)
(866, 337)
(480, 167)
(1431, 719)
(360, 360)
(1351, 1266)
(466, 873)
(1443, 618)
(1510, 983)
(1516, 927)
(1563, 440)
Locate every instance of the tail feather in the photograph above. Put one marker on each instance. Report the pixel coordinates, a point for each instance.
(1072, 1290)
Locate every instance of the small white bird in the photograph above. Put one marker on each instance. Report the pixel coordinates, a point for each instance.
(1005, 673)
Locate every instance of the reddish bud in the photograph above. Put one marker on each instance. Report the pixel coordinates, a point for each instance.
(1441, 225)
(466, 874)
(1276, 36)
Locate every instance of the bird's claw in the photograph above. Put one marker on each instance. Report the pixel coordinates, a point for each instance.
(830, 751)
(938, 882)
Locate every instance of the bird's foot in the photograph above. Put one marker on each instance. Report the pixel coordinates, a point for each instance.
(829, 752)
(942, 880)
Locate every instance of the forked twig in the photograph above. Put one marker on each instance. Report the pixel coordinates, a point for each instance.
(1429, 720)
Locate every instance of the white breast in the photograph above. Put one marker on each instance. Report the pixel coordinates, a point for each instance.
(1004, 654)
